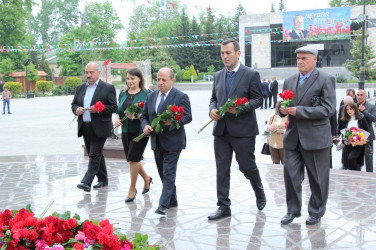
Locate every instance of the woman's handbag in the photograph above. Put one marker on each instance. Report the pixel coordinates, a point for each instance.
(265, 149)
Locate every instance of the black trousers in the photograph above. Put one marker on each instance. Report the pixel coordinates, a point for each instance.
(97, 165)
(167, 162)
(368, 157)
(244, 148)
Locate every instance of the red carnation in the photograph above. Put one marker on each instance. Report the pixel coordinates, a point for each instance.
(141, 104)
(174, 109)
(244, 100)
(99, 106)
(91, 231)
(287, 96)
(238, 102)
(69, 224)
(78, 246)
(181, 110)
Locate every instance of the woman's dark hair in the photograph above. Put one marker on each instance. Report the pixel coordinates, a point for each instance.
(138, 73)
(353, 106)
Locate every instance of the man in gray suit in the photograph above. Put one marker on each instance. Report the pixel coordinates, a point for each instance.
(308, 137)
(166, 145)
(235, 133)
(369, 112)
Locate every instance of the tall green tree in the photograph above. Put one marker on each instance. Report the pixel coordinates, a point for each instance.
(32, 73)
(282, 6)
(13, 16)
(101, 26)
(340, 3)
(238, 12)
(353, 64)
(55, 19)
(43, 65)
(272, 9)
(6, 67)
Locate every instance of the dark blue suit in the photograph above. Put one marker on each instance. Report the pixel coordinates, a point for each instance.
(167, 145)
(265, 93)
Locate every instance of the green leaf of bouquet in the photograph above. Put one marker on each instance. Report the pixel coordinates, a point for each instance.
(77, 217)
(154, 122)
(28, 208)
(145, 237)
(177, 125)
(158, 128)
(172, 126)
(4, 247)
(138, 236)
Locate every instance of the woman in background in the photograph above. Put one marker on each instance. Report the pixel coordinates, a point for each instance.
(131, 128)
(276, 127)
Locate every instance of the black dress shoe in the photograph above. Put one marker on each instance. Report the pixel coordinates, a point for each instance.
(101, 184)
(84, 187)
(288, 218)
(261, 201)
(173, 204)
(312, 220)
(161, 210)
(220, 213)
(147, 189)
(131, 199)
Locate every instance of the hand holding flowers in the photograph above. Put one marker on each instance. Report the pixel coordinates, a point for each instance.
(287, 97)
(355, 136)
(132, 112)
(170, 117)
(234, 106)
(96, 108)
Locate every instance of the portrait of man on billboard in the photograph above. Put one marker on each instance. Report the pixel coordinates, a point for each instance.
(298, 32)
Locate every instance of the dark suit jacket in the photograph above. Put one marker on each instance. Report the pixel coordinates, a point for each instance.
(101, 122)
(246, 84)
(265, 88)
(295, 35)
(174, 140)
(311, 125)
(274, 87)
(370, 115)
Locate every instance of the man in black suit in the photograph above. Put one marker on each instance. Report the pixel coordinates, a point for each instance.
(93, 126)
(369, 112)
(167, 144)
(235, 133)
(274, 91)
(265, 92)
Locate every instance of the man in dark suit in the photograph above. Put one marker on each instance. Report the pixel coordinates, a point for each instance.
(93, 126)
(274, 91)
(265, 92)
(166, 145)
(308, 138)
(235, 133)
(369, 112)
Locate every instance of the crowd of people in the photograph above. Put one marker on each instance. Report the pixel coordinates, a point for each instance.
(301, 132)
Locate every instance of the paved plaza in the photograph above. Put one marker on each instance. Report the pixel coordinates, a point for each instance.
(41, 160)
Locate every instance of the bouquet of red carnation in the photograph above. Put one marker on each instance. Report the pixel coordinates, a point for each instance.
(287, 96)
(236, 102)
(174, 114)
(98, 106)
(336, 140)
(134, 109)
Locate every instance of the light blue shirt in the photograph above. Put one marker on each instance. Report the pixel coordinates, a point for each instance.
(306, 76)
(87, 100)
(159, 98)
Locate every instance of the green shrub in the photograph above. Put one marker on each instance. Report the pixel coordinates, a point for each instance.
(341, 78)
(190, 72)
(14, 87)
(59, 90)
(179, 75)
(44, 86)
(72, 83)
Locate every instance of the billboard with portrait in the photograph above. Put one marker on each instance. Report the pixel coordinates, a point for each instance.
(316, 25)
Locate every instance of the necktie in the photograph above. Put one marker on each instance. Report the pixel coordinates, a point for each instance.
(302, 80)
(301, 35)
(161, 103)
(229, 81)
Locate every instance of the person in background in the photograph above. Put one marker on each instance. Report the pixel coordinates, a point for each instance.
(131, 128)
(345, 100)
(93, 126)
(6, 96)
(274, 91)
(353, 155)
(265, 92)
(369, 112)
(151, 88)
(270, 93)
(351, 93)
(276, 127)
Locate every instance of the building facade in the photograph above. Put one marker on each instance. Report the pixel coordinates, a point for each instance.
(269, 40)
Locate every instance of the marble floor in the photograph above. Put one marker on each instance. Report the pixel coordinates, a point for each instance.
(349, 222)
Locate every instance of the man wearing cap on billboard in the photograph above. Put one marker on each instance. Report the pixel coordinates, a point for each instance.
(308, 136)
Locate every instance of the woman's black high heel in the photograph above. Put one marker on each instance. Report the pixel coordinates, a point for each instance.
(147, 189)
(131, 199)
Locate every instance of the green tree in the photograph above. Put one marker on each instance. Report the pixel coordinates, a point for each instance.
(353, 64)
(238, 12)
(72, 83)
(282, 6)
(13, 16)
(6, 67)
(340, 3)
(45, 67)
(272, 9)
(32, 73)
(44, 86)
(14, 87)
(55, 19)
(189, 73)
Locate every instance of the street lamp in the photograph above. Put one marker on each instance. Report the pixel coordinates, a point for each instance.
(26, 63)
(362, 69)
(106, 65)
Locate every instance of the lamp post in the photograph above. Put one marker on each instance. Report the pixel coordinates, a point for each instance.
(106, 65)
(81, 46)
(146, 74)
(26, 63)
(362, 69)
